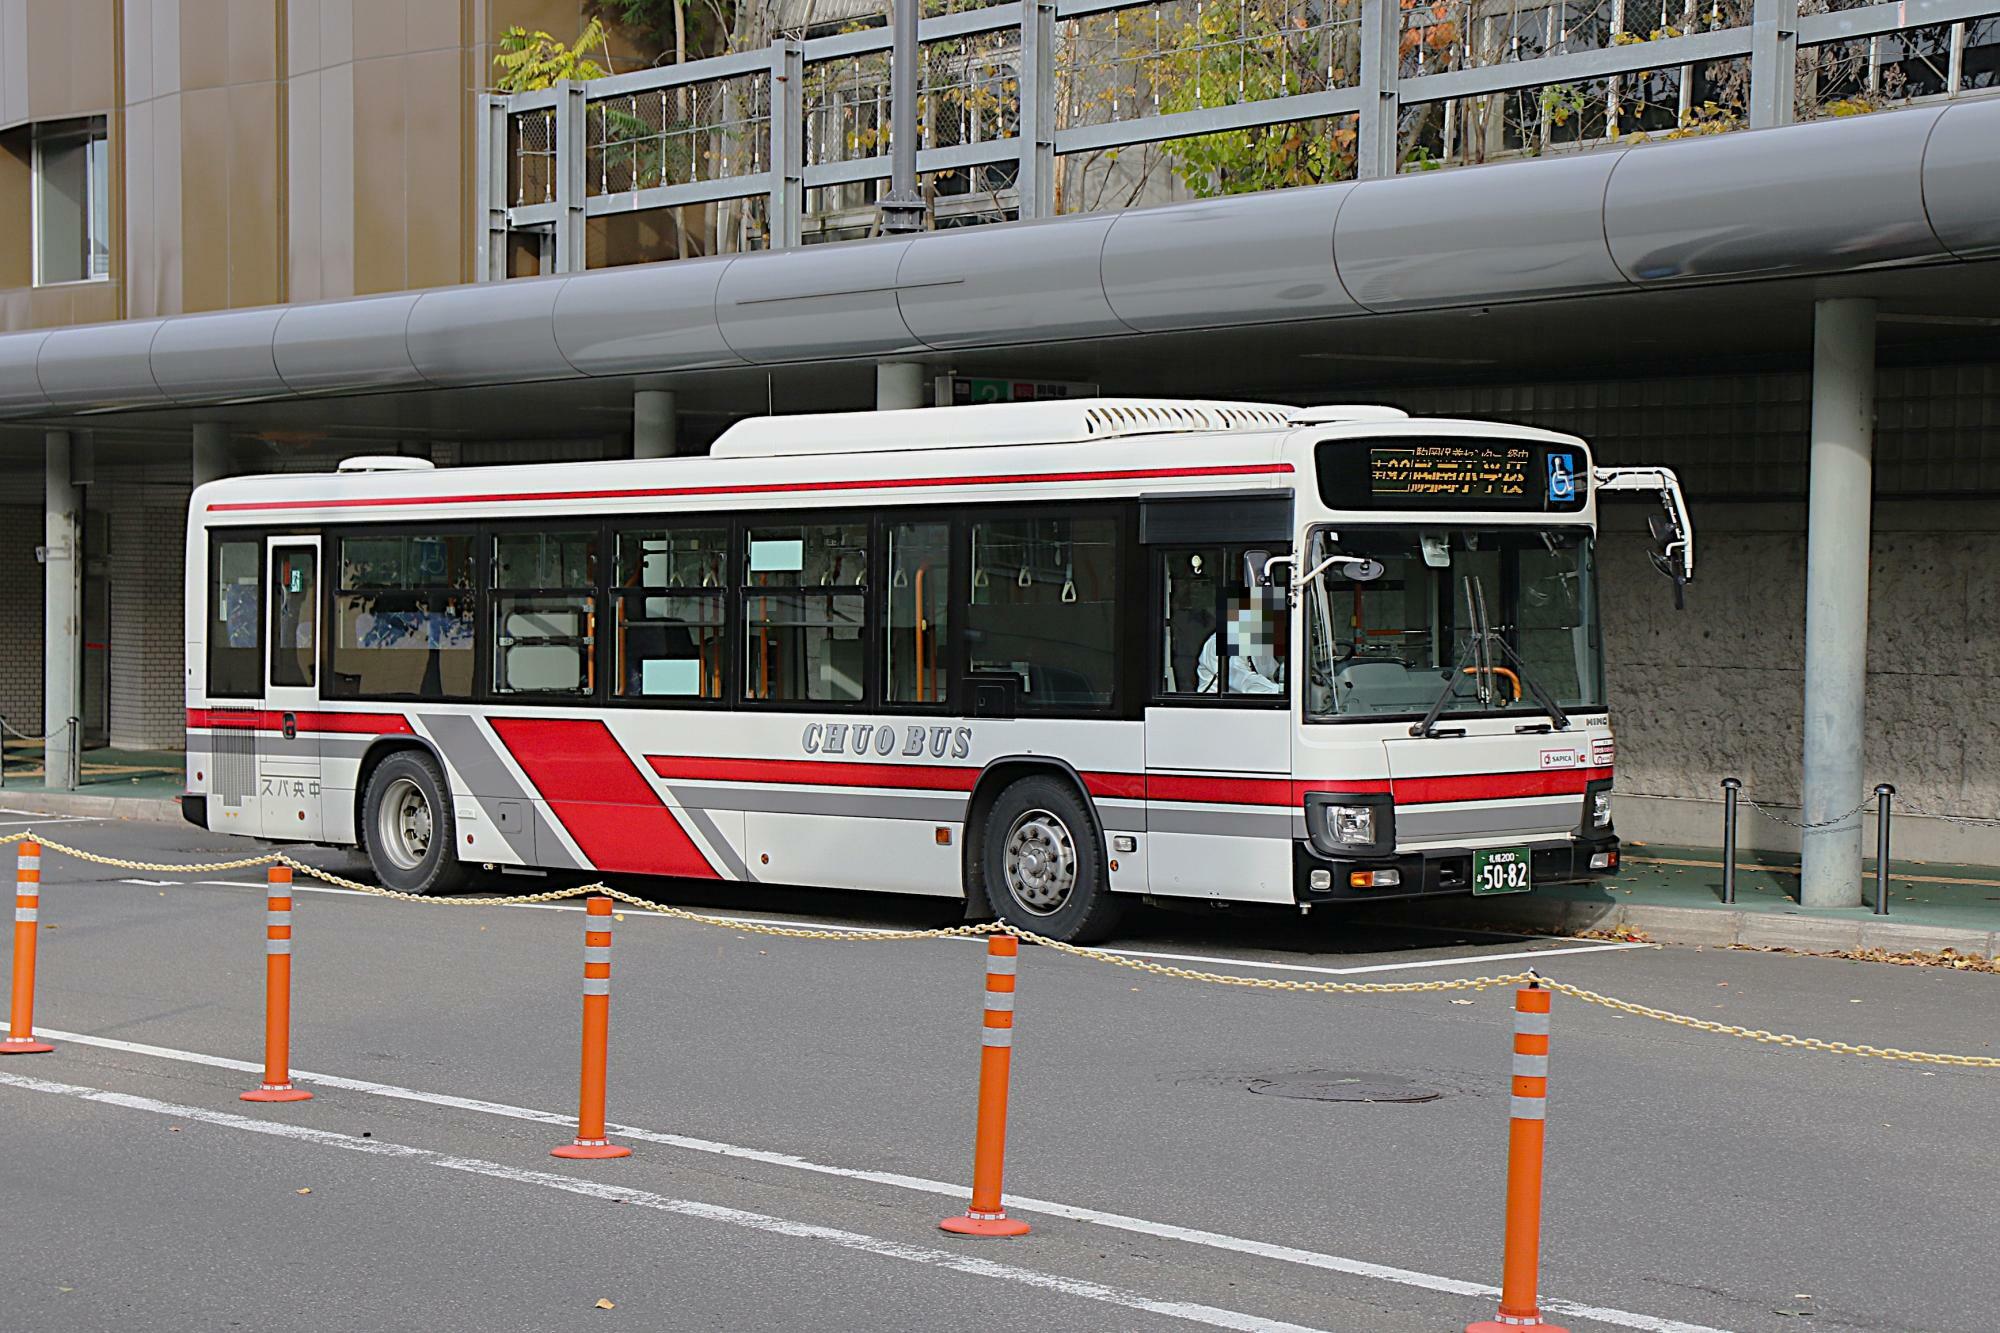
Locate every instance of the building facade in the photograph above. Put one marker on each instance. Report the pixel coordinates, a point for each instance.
(1759, 243)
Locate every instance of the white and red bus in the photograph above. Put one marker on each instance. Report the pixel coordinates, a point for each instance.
(1046, 657)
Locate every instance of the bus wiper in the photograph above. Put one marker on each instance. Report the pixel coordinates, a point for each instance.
(1475, 610)
(1478, 656)
(1542, 696)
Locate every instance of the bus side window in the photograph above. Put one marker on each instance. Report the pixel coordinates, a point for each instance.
(669, 586)
(544, 613)
(1190, 591)
(1044, 608)
(294, 616)
(235, 619)
(805, 606)
(403, 625)
(918, 602)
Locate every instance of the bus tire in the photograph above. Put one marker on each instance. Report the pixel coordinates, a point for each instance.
(409, 832)
(1043, 865)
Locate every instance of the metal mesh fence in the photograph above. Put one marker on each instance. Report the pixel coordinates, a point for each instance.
(706, 131)
(531, 157)
(1461, 34)
(1184, 55)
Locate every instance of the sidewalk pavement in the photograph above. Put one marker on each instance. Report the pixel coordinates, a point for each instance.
(117, 784)
(1673, 895)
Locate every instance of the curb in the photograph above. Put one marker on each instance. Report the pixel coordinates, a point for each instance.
(1721, 927)
(155, 810)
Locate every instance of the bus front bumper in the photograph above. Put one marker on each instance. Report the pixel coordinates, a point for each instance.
(1439, 873)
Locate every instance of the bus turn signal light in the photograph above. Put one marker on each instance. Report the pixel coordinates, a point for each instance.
(1374, 879)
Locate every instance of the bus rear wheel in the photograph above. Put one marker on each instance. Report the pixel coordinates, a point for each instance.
(410, 830)
(1044, 863)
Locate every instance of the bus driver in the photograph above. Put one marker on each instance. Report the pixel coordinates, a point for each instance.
(1256, 647)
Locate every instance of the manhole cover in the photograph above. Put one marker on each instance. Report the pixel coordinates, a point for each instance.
(1344, 1088)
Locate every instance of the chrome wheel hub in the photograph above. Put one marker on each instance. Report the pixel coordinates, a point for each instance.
(1041, 863)
(403, 824)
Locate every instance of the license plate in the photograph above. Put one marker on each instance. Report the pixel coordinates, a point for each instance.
(1502, 870)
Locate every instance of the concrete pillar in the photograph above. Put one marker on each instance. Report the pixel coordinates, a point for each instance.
(211, 451)
(898, 384)
(1837, 550)
(655, 424)
(62, 614)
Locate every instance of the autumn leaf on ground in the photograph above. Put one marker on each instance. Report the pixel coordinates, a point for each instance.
(603, 1304)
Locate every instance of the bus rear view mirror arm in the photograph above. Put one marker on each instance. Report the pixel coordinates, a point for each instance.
(1351, 566)
(1673, 531)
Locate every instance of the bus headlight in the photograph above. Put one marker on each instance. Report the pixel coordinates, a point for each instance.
(1351, 825)
(1600, 808)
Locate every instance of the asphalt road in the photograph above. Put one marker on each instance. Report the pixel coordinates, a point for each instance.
(802, 1116)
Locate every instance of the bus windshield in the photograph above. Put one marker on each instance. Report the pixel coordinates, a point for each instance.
(1391, 645)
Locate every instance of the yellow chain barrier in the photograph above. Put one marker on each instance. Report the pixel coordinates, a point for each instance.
(1075, 950)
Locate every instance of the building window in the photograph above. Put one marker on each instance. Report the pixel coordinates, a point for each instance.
(72, 202)
(402, 618)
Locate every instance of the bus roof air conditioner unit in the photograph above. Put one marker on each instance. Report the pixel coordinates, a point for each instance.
(386, 463)
(1338, 414)
(990, 425)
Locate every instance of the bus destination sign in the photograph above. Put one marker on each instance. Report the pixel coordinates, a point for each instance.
(1439, 472)
(1502, 476)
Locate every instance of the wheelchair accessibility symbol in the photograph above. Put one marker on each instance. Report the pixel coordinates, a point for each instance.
(1562, 478)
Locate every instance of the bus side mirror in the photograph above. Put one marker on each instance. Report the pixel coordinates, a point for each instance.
(1666, 557)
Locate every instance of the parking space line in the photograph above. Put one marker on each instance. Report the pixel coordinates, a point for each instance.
(955, 1261)
(1113, 1221)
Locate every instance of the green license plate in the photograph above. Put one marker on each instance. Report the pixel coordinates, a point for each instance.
(1502, 870)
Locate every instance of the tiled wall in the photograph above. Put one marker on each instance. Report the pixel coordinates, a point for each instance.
(146, 509)
(21, 617)
(1718, 689)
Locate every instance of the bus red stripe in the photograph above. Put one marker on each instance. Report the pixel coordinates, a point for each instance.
(762, 488)
(815, 772)
(604, 802)
(267, 719)
(1495, 786)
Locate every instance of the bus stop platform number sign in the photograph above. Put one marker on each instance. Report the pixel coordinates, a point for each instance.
(1501, 870)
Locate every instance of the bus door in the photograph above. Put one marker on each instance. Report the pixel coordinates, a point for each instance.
(1218, 722)
(288, 753)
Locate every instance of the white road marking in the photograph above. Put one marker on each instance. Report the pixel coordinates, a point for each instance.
(151, 883)
(31, 818)
(1114, 1221)
(956, 1261)
(1457, 960)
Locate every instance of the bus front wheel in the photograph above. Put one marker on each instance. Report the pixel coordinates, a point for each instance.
(1044, 863)
(410, 829)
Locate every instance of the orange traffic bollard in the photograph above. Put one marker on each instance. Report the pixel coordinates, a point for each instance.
(986, 1217)
(277, 993)
(27, 911)
(590, 1141)
(1518, 1310)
